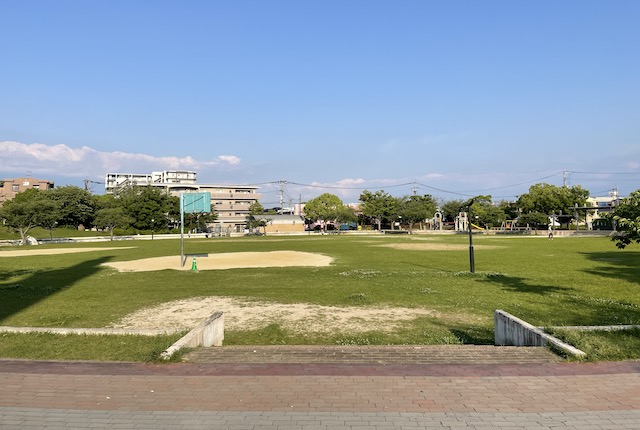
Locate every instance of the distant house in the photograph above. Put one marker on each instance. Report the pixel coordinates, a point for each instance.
(10, 187)
(281, 223)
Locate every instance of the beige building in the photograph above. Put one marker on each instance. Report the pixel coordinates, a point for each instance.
(231, 203)
(10, 187)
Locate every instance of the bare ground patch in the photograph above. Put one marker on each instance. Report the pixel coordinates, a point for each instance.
(231, 260)
(246, 314)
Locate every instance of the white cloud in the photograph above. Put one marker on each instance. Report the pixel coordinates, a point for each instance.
(62, 160)
(229, 159)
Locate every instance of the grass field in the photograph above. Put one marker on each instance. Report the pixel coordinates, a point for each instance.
(567, 281)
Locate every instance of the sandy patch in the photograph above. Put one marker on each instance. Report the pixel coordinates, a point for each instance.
(34, 250)
(231, 260)
(245, 314)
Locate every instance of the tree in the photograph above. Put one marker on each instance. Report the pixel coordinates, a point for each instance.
(416, 208)
(451, 209)
(486, 213)
(112, 218)
(627, 219)
(256, 208)
(144, 204)
(26, 210)
(325, 207)
(345, 214)
(510, 209)
(533, 219)
(377, 206)
(547, 198)
(50, 217)
(77, 206)
(197, 221)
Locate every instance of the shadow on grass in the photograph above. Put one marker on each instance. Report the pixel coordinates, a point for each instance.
(473, 335)
(519, 285)
(567, 306)
(40, 284)
(617, 264)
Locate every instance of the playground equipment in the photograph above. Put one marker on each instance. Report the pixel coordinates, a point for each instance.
(461, 223)
(436, 221)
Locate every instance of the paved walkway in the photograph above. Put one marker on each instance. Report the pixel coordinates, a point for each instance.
(260, 388)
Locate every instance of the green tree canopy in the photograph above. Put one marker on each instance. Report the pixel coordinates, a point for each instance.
(143, 204)
(345, 214)
(326, 207)
(485, 213)
(378, 206)
(77, 206)
(416, 208)
(112, 218)
(256, 208)
(26, 210)
(627, 218)
(533, 219)
(547, 198)
(450, 209)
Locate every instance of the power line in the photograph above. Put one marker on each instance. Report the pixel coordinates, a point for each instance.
(605, 173)
(521, 183)
(283, 192)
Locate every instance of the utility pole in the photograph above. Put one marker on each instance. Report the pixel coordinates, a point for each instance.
(281, 186)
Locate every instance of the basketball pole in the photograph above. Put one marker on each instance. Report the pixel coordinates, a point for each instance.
(182, 259)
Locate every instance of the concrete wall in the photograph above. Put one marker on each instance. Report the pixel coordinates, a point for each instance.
(210, 332)
(512, 331)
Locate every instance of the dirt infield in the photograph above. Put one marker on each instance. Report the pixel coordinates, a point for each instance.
(231, 260)
(246, 314)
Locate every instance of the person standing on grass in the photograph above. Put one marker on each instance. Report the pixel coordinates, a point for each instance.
(550, 230)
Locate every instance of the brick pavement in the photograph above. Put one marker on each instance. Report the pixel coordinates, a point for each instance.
(275, 394)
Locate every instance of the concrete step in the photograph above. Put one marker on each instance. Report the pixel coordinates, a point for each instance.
(404, 354)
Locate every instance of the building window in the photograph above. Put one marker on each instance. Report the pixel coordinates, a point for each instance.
(15, 187)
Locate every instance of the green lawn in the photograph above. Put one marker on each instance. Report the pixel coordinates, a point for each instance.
(567, 281)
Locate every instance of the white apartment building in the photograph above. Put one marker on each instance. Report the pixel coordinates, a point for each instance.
(116, 181)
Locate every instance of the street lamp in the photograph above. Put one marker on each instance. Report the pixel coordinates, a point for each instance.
(472, 264)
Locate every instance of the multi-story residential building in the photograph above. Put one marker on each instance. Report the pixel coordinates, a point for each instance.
(117, 181)
(10, 187)
(600, 204)
(230, 202)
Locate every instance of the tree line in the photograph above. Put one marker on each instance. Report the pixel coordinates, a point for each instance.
(134, 210)
(149, 209)
(380, 208)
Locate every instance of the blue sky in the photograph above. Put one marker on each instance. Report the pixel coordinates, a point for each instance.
(451, 98)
